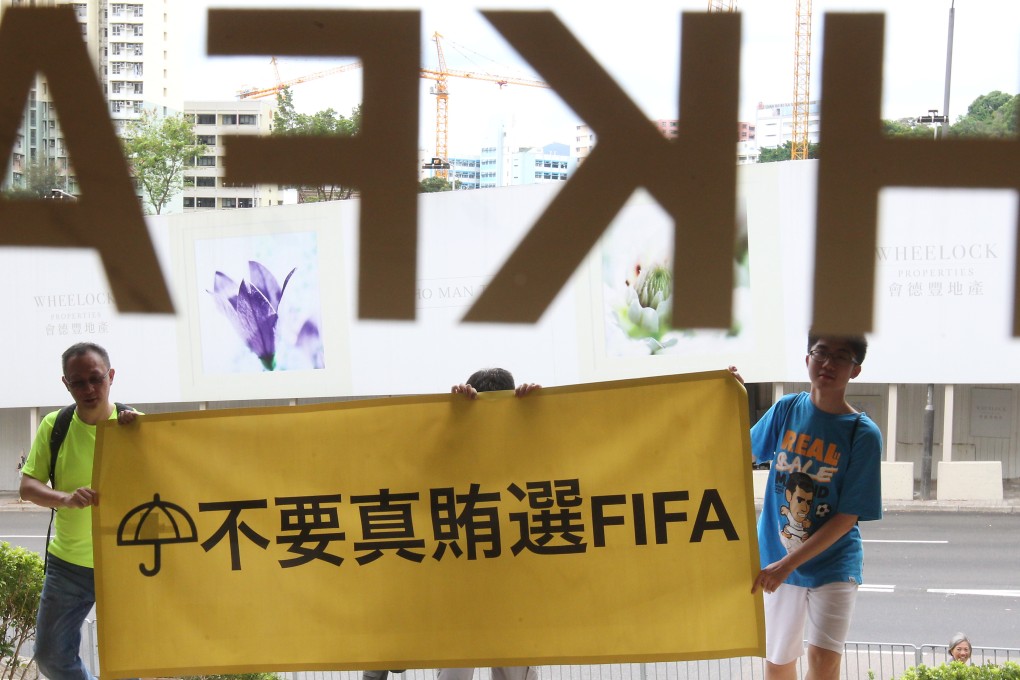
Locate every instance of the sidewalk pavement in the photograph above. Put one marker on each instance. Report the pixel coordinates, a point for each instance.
(1010, 503)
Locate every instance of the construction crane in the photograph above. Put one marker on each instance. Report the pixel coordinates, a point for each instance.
(273, 90)
(276, 68)
(440, 89)
(801, 72)
(442, 92)
(801, 81)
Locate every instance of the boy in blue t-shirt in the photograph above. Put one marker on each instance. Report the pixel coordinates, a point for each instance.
(825, 477)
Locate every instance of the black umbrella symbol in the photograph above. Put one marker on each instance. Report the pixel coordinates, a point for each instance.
(143, 528)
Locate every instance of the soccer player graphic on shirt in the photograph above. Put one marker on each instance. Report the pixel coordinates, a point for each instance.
(800, 491)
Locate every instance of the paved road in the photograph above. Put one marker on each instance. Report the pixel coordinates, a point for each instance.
(929, 575)
(26, 529)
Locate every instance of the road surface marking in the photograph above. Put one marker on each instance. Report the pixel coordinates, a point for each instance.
(876, 540)
(13, 536)
(972, 591)
(875, 588)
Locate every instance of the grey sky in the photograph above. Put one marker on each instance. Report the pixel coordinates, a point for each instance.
(638, 44)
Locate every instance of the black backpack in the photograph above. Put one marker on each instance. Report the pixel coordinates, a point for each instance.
(60, 427)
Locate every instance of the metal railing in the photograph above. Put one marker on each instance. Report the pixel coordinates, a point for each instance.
(935, 655)
(884, 661)
(861, 661)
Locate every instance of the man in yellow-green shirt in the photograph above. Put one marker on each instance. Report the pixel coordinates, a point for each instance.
(69, 589)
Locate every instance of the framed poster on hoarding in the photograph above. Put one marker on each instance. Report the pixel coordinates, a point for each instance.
(262, 308)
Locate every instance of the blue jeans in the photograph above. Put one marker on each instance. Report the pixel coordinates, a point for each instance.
(67, 597)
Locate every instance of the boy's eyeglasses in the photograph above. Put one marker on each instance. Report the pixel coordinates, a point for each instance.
(821, 356)
(94, 381)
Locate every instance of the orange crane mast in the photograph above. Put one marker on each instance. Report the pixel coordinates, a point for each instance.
(442, 91)
(801, 72)
(801, 81)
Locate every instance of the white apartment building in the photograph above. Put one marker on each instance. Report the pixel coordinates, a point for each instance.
(494, 163)
(131, 46)
(584, 142)
(465, 171)
(204, 185)
(747, 152)
(499, 167)
(774, 124)
(541, 165)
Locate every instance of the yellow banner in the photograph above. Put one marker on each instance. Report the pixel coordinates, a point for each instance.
(611, 522)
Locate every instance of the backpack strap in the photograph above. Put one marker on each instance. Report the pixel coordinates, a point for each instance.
(61, 426)
(853, 432)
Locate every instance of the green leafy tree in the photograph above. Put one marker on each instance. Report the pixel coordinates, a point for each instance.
(21, 582)
(907, 127)
(158, 148)
(990, 115)
(782, 153)
(38, 180)
(287, 121)
(430, 185)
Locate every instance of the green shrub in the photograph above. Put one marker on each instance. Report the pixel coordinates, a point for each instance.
(21, 582)
(956, 670)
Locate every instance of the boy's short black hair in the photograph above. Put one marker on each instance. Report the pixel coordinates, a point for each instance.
(858, 343)
(491, 380)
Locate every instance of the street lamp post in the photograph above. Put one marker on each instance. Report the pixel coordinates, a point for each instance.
(927, 441)
(933, 117)
(928, 423)
(949, 67)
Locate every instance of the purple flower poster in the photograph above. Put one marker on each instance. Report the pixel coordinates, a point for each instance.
(260, 313)
(265, 289)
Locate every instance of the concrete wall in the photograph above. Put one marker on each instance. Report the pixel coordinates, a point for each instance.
(970, 481)
(16, 432)
(897, 482)
(966, 447)
(910, 415)
(979, 461)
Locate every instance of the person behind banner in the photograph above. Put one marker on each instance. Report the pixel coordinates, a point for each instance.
(378, 674)
(825, 477)
(492, 380)
(69, 589)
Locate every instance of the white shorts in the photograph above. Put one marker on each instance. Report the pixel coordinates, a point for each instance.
(794, 614)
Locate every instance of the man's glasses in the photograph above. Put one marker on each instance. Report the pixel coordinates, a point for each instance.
(94, 381)
(821, 356)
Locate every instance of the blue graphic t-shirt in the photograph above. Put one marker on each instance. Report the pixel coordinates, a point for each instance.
(822, 463)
